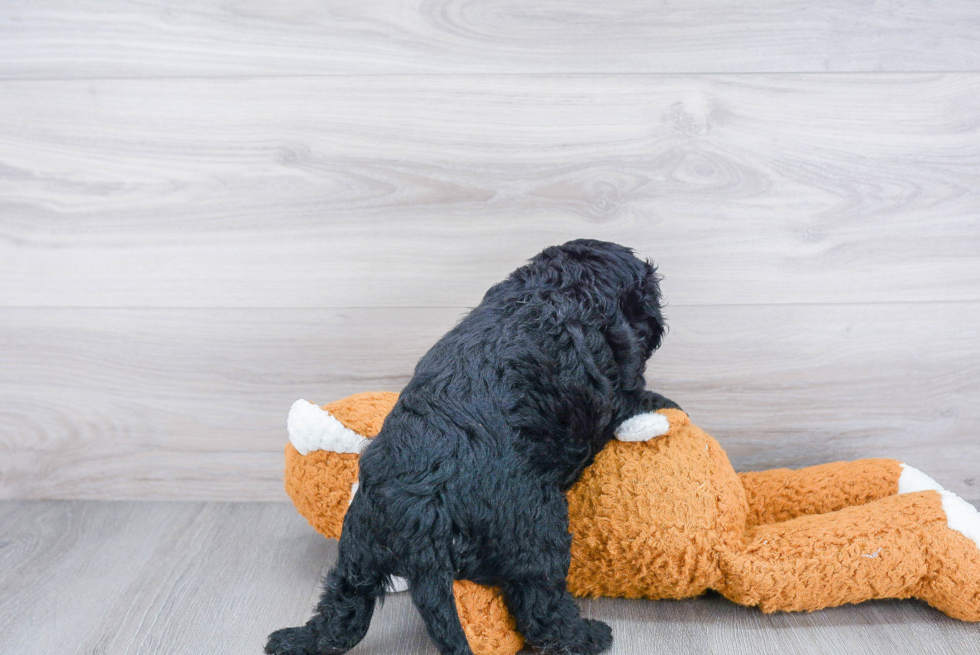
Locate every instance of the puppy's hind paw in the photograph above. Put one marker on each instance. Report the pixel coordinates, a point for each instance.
(599, 637)
(588, 638)
(296, 641)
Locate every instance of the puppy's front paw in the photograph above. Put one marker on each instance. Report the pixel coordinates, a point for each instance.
(292, 641)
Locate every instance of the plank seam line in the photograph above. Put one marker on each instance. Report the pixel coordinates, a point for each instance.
(667, 307)
(271, 76)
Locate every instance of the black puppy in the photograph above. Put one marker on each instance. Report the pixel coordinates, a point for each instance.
(466, 479)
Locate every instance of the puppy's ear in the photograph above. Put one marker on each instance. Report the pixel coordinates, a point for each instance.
(641, 304)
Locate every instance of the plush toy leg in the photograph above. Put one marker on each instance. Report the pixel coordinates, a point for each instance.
(896, 547)
(489, 627)
(782, 494)
(953, 583)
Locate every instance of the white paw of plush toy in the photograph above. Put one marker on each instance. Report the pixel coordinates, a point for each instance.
(643, 427)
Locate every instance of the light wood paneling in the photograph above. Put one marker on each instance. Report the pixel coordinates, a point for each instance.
(182, 403)
(191, 404)
(416, 191)
(117, 38)
(120, 578)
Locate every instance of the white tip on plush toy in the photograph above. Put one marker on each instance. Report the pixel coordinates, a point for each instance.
(643, 427)
(960, 515)
(396, 585)
(912, 480)
(311, 428)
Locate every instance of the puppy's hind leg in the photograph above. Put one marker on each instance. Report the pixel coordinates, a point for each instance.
(549, 620)
(535, 591)
(342, 616)
(432, 593)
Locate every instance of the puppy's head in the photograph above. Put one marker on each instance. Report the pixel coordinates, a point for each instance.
(623, 289)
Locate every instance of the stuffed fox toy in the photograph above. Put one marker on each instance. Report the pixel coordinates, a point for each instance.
(661, 513)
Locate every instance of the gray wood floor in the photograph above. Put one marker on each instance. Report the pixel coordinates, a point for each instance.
(181, 577)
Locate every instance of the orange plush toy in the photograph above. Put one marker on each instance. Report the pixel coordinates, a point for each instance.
(661, 513)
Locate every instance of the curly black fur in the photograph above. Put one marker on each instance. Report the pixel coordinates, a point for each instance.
(466, 479)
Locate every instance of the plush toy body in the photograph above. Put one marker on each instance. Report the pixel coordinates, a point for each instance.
(661, 513)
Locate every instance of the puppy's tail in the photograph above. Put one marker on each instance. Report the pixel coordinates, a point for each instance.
(350, 592)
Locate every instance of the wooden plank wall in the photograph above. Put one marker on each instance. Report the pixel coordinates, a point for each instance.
(210, 209)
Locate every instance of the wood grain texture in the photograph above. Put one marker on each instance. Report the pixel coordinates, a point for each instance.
(151, 577)
(125, 38)
(125, 578)
(191, 403)
(423, 191)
